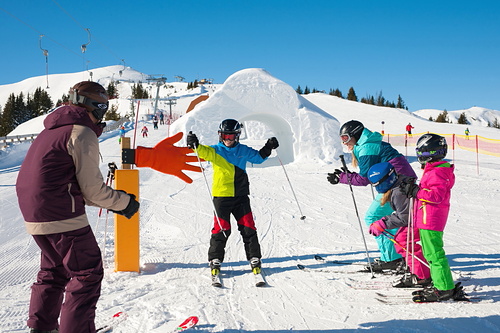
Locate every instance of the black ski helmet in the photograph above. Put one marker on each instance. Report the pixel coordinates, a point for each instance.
(351, 129)
(431, 147)
(230, 126)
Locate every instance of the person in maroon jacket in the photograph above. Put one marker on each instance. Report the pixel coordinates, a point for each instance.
(59, 176)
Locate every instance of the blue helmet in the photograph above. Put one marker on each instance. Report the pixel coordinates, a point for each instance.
(382, 176)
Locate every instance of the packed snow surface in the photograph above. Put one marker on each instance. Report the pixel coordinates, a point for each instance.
(176, 219)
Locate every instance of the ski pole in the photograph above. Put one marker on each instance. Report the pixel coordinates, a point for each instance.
(357, 214)
(302, 217)
(100, 209)
(210, 193)
(388, 235)
(412, 226)
(111, 174)
(112, 167)
(373, 193)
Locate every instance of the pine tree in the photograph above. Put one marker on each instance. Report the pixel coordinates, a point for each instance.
(380, 100)
(1, 122)
(112, 113)
(21, 112)
(8, 115)
(368, 100)
(442, 117)
(41, 102)
(299, 90)
(138, 92)
(306, 90)
(401, 103)
(462, 119)
(64, 100)
(351, 95)
(111, 90)
(338, 93)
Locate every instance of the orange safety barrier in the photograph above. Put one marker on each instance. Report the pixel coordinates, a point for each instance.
(473, 143)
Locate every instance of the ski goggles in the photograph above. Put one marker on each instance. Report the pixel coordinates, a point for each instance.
(228, 136)
(345, 138)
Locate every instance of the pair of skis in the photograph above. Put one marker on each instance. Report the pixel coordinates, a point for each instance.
(257, 273)
(381, 296)
(333, 262)
(119, 317)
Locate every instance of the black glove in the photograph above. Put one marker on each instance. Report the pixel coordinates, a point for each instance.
(272, 143)
(131, 209)
(344, 169)
(409, 189)
(334, 177)
(192, 140)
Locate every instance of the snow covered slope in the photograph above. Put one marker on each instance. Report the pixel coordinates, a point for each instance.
(176, 219)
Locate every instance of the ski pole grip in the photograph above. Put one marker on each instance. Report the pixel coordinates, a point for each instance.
(343, 161)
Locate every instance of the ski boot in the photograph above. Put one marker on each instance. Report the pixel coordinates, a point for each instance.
(215, 272)
(378, 266)
(411, 281)
(432, 294)
(255, 264)
(215, 266)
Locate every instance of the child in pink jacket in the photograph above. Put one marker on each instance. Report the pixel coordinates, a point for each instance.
(384, 178)
(432, 205)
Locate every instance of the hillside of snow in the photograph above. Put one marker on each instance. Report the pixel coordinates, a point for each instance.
(176, 219)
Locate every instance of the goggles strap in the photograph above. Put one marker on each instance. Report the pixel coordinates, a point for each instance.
(383, 179)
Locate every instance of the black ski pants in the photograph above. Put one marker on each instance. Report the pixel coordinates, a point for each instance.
(239, 207)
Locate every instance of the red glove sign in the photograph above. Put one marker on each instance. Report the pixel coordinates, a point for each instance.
(167, 158)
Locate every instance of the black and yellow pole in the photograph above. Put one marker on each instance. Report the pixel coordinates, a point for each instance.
(127, 230)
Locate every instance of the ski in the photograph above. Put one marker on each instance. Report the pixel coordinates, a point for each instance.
(337, 262)
(374, 285)
(320, 270)
(187, 324)
(369, 285)
(112, 322)
(405, 299)
(259, 278)
(332, 271)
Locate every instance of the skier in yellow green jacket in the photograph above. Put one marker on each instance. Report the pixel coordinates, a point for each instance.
(230, 189)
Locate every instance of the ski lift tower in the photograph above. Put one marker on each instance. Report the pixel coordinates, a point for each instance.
(171, 101)
(159, 79)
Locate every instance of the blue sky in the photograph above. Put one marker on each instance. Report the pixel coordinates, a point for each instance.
(435, 54)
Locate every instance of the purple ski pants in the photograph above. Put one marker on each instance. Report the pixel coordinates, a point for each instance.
(70, 267)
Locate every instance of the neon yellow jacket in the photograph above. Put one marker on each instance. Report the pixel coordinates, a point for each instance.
(230, 178)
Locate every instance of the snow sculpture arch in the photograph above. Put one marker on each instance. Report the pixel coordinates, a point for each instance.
(304, 131)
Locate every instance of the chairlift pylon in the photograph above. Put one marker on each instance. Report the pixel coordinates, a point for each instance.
(46, 54)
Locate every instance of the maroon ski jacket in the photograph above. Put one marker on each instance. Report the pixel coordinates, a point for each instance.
(61, 174)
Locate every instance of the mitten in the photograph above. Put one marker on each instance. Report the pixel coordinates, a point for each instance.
(377, 227)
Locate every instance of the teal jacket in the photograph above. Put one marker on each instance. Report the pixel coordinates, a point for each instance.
(370, 150)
